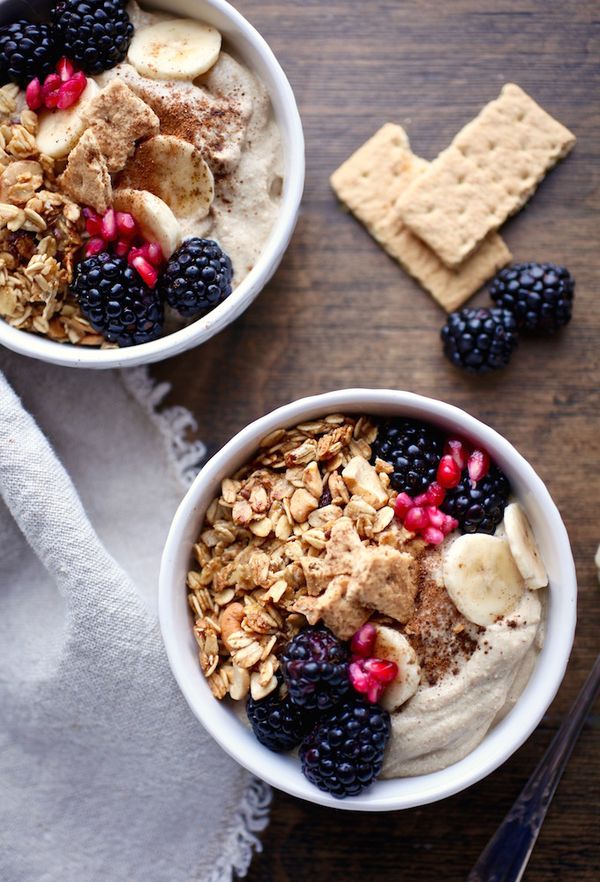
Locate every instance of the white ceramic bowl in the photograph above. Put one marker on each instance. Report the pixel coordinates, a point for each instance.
(255, 52)
(284, 771)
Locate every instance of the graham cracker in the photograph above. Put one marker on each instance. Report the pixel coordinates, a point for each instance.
(488, 172)
(371, 181)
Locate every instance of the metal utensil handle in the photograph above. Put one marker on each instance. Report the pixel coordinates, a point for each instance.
(506, 855)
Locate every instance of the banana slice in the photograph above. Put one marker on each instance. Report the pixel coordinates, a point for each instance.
(174, 170)
(156, 220)
(60, 130)
(393, 646)
(180, 49)
(482, 578)
(524, 547)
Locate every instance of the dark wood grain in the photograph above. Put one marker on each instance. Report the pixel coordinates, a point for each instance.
(339, 313)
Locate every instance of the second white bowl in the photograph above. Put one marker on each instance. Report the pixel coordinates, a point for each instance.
(284, 771)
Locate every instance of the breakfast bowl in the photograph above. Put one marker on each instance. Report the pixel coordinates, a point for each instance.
(508, 725)
(283, 185)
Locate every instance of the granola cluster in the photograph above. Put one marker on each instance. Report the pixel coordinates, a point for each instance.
(40, 233)
(305, 531)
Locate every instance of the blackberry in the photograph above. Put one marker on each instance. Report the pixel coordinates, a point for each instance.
(115, 300)
(315, 668)
(480, 340)
(95, 34)
(414, 449)
(539, 295)
(277, 722)
(344, 752)
(478, 508)
(197, 277)
(27, 50)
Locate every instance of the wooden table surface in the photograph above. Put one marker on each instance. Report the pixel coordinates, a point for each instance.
(340, 313)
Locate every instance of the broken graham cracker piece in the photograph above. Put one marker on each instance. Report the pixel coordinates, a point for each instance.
(385, 579)
(371, 181)
(119, 118)
(340, 557)
(488, 172)
(341, 613)
(86, 179)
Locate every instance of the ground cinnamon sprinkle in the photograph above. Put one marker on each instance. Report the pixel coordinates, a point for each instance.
(439, 634)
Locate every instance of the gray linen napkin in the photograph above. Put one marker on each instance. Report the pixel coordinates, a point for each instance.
(105, 776)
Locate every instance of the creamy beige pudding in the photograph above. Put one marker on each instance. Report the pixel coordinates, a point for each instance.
(323, 589)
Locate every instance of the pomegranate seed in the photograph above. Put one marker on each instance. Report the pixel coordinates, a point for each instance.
(402, 505)
(421, 500)
(126, 225)
(134, 252)
(95, 246)
(449, 525)
(436, 517)
(148, 272)
(121, 248)
(109, 225)
(435, 494)
(448, 473)
(93, 222)
(478, 465)
(375, 691)
(458, 450)
(33, 95)
(381, 669)
(432, 535)
(70, 92)
(416, 519)
(363, 640)
(154, 253)
(51, 90)
(65, 69)
(358, 677)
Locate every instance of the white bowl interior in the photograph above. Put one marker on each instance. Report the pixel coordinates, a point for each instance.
(284, 771)
(251, 48)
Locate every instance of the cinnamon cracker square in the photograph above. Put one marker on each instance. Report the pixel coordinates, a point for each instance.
(371, 181)
(488, 172)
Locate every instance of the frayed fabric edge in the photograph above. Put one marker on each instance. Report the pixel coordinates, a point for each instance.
(186, 457)
(174, 423)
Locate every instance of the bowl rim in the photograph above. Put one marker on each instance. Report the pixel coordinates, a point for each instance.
(503, 739)
(198, 332)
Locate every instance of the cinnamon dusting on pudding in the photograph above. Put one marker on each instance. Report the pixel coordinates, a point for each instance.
(442, 638)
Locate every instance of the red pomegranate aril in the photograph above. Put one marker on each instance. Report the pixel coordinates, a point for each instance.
(383, 670)
(363, 641)
(403, 505)
(33, 95)
(436, 517)
(416, 519)
(478, 465)
(449, 525)
(126, 225)
(375, 691)
(448, 473)
(51, 90)
(93, 222)
(94, 246)
(435, 494)
(69, 93)
(421, 500)
(148, 272)
(154, 253)
(433, 535)
(122, 247)
(109, 225)
(359, 679)
(65, 69)
(458, 450)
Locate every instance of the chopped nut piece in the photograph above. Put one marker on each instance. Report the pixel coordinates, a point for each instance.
(302, 504)
(312, 480)
(230, 621)
(240, 683)
(361, 478)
